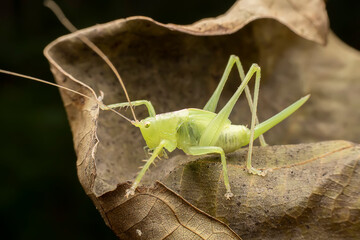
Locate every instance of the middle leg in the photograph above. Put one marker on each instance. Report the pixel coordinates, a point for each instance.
(201, 150)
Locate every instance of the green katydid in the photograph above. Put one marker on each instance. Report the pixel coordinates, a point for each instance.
(195, 131)
(202, 131)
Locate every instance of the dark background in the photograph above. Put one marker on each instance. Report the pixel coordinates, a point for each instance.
(40, 195)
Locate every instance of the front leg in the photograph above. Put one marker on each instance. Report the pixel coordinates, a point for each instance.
(158, 150)
(201, 150)
(147, 103)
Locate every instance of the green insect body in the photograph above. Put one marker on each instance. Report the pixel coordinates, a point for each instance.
(202, 131)
(184, 129)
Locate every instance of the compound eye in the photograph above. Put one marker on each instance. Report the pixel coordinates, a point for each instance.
(147, 124)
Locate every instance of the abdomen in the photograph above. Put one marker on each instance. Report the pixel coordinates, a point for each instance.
(233, 137)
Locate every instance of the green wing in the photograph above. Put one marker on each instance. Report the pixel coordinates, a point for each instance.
(189, 132)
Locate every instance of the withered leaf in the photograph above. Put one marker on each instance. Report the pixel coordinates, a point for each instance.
(312, 189)
(159, 213)
(306, 18)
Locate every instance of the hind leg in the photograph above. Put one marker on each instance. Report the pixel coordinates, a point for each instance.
(248, 97)
(250, 168)
(213, 101)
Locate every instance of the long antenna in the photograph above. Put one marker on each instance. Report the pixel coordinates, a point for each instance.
(102, 105)
(67, 24)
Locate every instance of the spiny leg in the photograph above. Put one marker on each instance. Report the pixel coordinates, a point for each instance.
(214, 99)
(147, 103)
(250, 168)
(157, 151)
(212, 132)
(147, 151)
(266, 125)
(248, 97)
(198, 150)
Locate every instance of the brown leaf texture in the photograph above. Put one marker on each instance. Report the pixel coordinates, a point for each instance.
(313, 189)
(306, 18)
(159, 213)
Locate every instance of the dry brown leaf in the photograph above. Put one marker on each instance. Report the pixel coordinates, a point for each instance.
(174, 70)
(306, 18)
(159, 213)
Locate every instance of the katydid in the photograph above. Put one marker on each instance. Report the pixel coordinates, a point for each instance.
(202, 131)
(195, 131)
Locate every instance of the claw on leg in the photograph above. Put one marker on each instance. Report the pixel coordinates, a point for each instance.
(255, 171)
(228, 195)
(130, 191)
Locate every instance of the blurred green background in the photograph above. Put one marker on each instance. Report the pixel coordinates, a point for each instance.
(40, 195)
